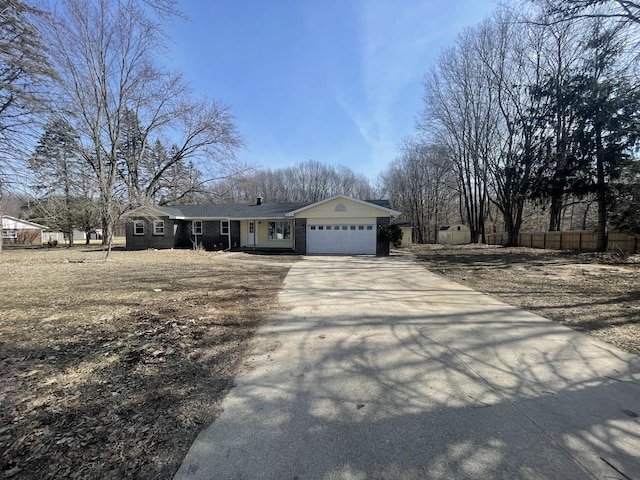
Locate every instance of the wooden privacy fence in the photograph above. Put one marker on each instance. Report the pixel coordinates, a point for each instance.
(582, 240)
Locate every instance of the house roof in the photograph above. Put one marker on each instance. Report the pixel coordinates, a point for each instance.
(444, 228)
(10, 222)
(237, 211)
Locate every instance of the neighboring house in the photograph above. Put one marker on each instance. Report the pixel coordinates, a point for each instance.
(454, 234)
(338, 225)
(21, 232)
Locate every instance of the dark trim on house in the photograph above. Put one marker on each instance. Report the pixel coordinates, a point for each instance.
(300, 232)
(382, 244)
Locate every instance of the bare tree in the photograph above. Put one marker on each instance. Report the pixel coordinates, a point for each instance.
(563, 10)
(105, 55)
(562, 52)
(460, 113)
(309, 181)
(422, 186)
(514, 67)
(24, 71)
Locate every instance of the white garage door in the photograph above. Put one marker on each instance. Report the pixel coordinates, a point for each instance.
(341, 239)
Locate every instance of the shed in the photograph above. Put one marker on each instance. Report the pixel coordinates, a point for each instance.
(454, 234)
(21, 232)
(407, 234)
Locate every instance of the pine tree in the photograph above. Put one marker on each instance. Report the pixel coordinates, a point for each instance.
(607, 117)
(55, 164)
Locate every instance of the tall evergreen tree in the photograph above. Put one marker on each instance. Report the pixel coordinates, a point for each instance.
(64, 195)
(607, 118)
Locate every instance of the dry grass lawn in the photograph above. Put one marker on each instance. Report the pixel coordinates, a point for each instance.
(595, 293)
(109, 369)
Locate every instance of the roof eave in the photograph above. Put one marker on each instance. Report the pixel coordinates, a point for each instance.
(134, 212)
(19, 220)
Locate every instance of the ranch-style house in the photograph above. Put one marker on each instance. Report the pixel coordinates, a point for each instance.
(337, 225)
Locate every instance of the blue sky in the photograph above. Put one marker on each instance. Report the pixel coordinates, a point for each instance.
(334, 81)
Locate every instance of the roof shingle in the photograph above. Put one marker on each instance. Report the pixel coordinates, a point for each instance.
(238, 211)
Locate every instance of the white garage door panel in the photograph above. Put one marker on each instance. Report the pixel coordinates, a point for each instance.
(341, 239)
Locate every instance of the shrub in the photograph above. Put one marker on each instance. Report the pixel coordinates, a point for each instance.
(392, 233)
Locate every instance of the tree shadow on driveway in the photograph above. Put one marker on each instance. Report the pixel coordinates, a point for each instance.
(379, 369)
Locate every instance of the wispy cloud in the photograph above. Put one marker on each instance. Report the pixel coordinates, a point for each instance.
(397, 42)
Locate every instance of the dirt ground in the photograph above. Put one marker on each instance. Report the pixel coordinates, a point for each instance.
(109, 369)
(595, 293)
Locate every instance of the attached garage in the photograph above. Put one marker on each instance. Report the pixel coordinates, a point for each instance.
(345, 239)
(342, 226)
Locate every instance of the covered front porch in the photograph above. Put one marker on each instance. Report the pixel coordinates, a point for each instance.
(266, 234)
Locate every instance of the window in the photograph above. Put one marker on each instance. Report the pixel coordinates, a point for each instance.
(360, 227)
(9, 233)
(337, 227)
(369, 227)
(158, 227)
(344, 227)
(328, 227)
(352, 227)
(138, 227)
(312, 227)
(251, 227)
(320, 227)
(340, 208)
(196, 227)
(279, 231)
(224, 227)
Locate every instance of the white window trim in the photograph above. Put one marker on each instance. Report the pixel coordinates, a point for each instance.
(193, 227)
(222, 225)
(135, 227)
(156, 224)
(275, 238)
(11, 233)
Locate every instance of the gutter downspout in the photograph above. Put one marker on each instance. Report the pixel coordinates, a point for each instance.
(228, 249)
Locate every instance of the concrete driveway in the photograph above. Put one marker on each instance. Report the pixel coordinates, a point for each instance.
(379, 369)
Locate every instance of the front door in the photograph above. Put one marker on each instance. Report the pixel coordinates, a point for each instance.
(251, 233)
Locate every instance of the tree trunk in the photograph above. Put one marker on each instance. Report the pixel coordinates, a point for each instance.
(601, 194)
(107, 222)
(555, 213)
(1, 239)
